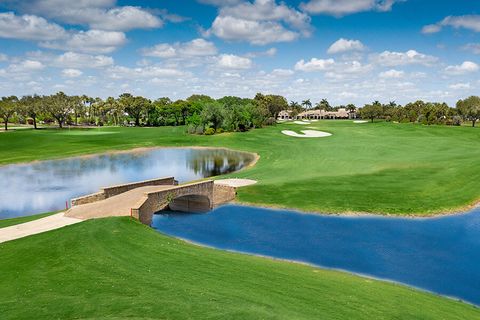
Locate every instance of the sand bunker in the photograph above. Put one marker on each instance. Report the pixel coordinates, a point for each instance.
(307, 134)
(301, 122)
(360, 121)
(236, 183)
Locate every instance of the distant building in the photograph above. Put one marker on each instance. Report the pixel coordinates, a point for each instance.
(341, 113)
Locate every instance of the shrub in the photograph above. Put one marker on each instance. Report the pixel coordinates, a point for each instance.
(219, 130)
(209, 132)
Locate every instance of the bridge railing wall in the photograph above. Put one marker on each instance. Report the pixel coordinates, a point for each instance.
(108, 192)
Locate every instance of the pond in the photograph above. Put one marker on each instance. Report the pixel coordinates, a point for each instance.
(441, 255)
(45, 186)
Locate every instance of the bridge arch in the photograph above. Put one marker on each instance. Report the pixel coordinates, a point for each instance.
(188, 198)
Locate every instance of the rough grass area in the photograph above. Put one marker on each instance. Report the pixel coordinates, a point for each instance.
(374, 167)
(14, 221)
(118, 268)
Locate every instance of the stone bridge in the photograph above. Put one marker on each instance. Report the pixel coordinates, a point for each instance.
(193, 197)
(142, 200)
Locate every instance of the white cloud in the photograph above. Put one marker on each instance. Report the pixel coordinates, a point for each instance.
(460, 86)
(345, 45)
(149, 72)
(314, 65)
(220, 2)
(73, 60)
(194, 48)
(3, 57)
(462, 69)
(26, 66)
(392, 74)
(91, 41)
(344, 7)
(473, 47)
(392, 59)
(260, 22)
(100, 14)
(28, 27)
(71, 73)
(231, 61)
(470, 22)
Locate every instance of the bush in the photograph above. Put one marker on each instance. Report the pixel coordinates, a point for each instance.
(219, 130)
(457, 120)
(209, 132)
(270, 121)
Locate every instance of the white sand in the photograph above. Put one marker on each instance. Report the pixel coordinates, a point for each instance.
(52, 222)
(236, 183)
(301, 122)
(360, 121)
(307, 134)
(314, 120)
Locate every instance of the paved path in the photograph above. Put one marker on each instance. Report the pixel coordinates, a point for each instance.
(52, 222)
(115, 206)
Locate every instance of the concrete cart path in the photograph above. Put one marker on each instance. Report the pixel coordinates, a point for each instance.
(118, 205)
(52, 222)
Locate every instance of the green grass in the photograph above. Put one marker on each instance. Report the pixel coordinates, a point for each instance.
(14, 221)
(379, 168)
(116, 268)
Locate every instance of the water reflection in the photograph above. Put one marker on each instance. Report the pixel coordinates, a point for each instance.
(45, 186)
(440, 254)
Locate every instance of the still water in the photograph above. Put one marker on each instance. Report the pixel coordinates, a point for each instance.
(441, 255)
(45, 186)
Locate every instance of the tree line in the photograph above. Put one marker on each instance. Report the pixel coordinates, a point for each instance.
(202, 114)
(425, 112)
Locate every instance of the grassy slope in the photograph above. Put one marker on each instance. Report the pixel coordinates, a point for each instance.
(14, 221)
(118, 268)
(381, 167)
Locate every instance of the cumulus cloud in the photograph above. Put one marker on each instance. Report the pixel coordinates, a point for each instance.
(149, 72)
(470, 22)
(472, 47)
(28, 27)
(194, 48)
(73, 60)
(71, 73)
(102, 14)
(392, 59)
(460, 86)
(26, 66)
(345, 45)
(91, 41)
(231, 61)
(314, 65)
(260, 22)
(462, 69)
(392, 74)
(340, 8)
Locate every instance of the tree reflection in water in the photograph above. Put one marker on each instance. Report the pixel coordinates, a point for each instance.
(214, 162)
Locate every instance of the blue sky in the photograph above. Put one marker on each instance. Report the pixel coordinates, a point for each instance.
(346, 51)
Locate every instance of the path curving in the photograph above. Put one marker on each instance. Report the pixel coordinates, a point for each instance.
(55, 221)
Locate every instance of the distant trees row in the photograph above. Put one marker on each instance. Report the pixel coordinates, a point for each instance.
(200, 113)
(425, 112)
(203, 114)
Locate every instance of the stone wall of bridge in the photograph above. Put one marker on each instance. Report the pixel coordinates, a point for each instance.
(188, 197)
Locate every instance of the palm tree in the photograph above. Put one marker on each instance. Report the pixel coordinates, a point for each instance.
(307, 104)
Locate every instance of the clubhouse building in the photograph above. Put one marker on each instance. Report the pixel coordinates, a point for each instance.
(341, 113)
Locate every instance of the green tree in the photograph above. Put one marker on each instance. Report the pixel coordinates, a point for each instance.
(212, 115)
(136, 107)
(371, 111)
(8, 107)
(31, 106)
(470, 109)
(59, 107)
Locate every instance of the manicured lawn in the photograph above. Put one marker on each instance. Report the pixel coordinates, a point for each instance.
(14, 221)
(379, 168)
(118, 268)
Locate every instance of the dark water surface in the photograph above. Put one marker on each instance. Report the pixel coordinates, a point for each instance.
(441, 255)
(26, 189)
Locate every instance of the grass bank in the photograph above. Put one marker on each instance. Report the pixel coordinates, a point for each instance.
(118, 268)
(376, 168)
